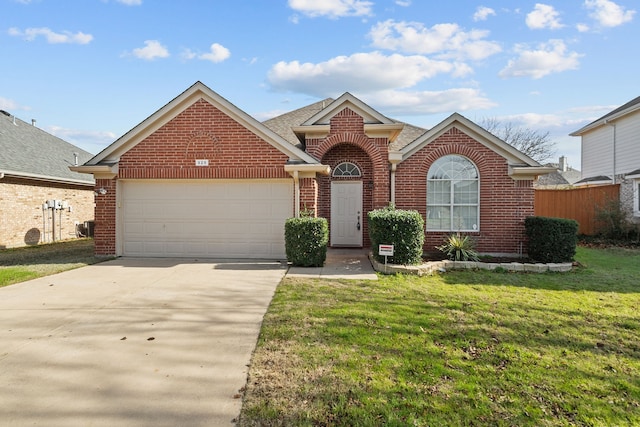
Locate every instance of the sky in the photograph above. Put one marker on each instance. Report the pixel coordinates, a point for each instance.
(88, 71)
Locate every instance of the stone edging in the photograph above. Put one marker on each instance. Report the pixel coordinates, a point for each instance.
(431, 267)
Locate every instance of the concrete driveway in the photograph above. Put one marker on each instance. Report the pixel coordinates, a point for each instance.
(132, 342)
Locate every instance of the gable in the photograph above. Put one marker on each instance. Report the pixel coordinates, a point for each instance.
(202, 132)
(376, 125)
(195, 94)
(520, 165)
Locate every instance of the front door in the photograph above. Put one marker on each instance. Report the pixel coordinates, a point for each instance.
(346, 213)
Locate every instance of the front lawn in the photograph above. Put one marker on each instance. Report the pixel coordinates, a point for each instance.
(20, 264)
(465, 348)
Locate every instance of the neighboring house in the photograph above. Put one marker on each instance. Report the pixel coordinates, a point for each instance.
(41, 200)
(202, 178)
(562, 177)
(611, 153)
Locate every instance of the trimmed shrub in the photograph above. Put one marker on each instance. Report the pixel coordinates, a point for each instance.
(403, 229)
(306, 241)
(551, 239)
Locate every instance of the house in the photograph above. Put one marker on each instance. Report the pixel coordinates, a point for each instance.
(202, 178)
(611, 154)
(562, 177)
(41, 200)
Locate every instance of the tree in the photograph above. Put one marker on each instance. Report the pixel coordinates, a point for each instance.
(534, 143)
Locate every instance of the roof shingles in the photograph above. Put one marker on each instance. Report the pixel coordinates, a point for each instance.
(27, 151)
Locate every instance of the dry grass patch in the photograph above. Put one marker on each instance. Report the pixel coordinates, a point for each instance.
(20, 264)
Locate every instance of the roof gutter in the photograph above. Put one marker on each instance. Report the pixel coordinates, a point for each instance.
(529, 172)
(37, 177)
(98, 171)
(305, 170)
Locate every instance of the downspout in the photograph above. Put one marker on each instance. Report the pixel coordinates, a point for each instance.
(393, 183)
(394, 159)
(296, 192)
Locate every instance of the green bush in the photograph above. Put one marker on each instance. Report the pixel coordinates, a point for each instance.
(306, 241)
(551, 239)
(403, 229)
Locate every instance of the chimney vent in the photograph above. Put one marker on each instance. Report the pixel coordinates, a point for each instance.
(563, 164)
(33, 122)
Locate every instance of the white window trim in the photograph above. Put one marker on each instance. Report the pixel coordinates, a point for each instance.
(635, 179)
(335, 169)
(452, 229)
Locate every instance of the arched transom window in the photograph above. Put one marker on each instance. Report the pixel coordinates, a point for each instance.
(347, 169)
(453, 195)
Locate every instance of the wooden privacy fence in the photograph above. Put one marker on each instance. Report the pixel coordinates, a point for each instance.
(581, 204)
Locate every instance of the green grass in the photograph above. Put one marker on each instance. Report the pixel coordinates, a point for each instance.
(465, 348)
(20, 264)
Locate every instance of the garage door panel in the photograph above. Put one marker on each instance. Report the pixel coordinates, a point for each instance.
(226, 219)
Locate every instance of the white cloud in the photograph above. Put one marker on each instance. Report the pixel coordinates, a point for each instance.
(217, 53)
(543, 16)
(407, 103)
(10, 105)
(89, 140)
(360, 72)
(482, 13)
(608, 13)
(52, 37)
(130, 2)
(332, 8)
(403, 3)
(152, 49)
(547, 58)
(583, 28)
(447, 40)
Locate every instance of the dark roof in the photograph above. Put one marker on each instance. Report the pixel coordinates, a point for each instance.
(621, 111)
(29, 152)
(621, 108)
(559, 177)
(282, 125)
(594, 179)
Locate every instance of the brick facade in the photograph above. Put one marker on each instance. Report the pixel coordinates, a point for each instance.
(23, 219)
(347, 142)
(201, 131)
(504, 203)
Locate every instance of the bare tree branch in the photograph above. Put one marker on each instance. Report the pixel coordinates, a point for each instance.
(535, 144)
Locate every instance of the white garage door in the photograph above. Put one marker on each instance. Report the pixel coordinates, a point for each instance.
(205, 218)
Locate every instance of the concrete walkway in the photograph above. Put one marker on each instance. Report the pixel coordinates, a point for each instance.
(132, 342)
(340, 264)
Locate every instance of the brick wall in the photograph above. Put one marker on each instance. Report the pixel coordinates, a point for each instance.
(201, 131)
(347, 142)
(504, 203)
(23, 220)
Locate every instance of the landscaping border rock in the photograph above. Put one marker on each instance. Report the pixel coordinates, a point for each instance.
(431, 267)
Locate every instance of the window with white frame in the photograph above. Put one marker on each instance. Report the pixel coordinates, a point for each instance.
(453, 195)
(347, 169)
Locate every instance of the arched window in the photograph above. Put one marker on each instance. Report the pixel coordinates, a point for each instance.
(453, 195)
(347, 169)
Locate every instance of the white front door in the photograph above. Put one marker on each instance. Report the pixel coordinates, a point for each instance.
(346, 213)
